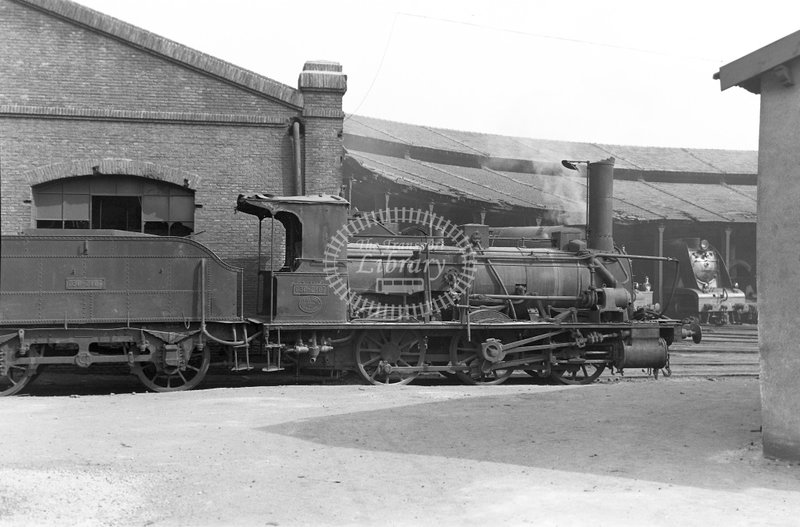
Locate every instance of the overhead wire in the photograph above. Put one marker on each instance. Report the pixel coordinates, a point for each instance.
(380, 65)
(512, 31)
(562, 39)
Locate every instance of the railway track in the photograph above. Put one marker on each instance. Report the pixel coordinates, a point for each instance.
(723, 339)
(724, 351)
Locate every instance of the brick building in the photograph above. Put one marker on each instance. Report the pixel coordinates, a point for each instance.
(105, 125)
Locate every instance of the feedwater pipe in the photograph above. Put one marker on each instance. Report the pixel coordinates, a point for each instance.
(529, 297)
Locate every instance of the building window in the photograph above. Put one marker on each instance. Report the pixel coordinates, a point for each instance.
(123, 213)
(125, 203)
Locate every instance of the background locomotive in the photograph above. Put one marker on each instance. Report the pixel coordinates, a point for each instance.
(703, 288)
(351, 294)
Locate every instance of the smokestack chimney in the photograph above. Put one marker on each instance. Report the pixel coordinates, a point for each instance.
(600, 199)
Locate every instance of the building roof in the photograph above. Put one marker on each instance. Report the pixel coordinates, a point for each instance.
(653, 184)
(474, 183)
(168, 49)
(746, 71)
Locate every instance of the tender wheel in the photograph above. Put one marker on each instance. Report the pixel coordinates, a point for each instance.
(18, 376)
(463, 351)
(15, 380)
(160, 377)
(577, 373)
(380, 352)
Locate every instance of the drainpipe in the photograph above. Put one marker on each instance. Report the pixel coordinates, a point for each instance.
(299, 186)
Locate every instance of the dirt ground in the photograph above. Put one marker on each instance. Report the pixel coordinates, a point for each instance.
(636, 452)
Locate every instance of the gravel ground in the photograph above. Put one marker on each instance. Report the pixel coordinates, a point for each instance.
(632, 452)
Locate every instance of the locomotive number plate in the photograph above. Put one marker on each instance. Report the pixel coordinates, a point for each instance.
(86, 283)
(310, 289)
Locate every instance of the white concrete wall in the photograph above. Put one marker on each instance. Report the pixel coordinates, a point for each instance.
(778, 240)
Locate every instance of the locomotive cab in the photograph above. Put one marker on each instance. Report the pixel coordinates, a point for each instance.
(299, 289)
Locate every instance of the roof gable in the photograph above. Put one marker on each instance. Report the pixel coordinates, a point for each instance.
(167, 49)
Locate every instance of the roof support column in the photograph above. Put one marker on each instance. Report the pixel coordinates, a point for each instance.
(660, 253)
(771, 71)
(728, 232)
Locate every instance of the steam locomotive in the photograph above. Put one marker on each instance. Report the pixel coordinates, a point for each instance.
(389, 294)
(703, 288)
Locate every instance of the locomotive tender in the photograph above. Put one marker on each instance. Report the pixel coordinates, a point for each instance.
(350, 294)
(111, 297)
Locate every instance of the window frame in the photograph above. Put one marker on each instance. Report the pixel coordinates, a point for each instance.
(76, 198)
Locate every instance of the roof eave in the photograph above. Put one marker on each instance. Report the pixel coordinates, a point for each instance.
(746, 71)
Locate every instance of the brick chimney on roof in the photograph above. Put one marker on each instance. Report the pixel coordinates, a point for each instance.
(322, 75)
(323, 85)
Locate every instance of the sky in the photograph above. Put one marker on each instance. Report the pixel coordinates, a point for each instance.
(612, 71)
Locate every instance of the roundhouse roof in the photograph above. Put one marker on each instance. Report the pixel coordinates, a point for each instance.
(653, 184)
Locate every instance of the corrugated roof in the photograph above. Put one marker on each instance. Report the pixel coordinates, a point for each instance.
(684, 185)
(645, 158)
(634, 201)
(661, 159)
(666, 201)
(479, 184)
(407, 134)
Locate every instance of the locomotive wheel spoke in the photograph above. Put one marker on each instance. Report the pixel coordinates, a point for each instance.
(379, 352)
(160, 377)
(577, 374)
(372, 361)
(467, 353)
(371, 343)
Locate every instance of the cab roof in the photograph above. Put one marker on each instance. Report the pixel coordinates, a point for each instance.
(265, 205)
